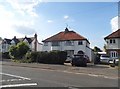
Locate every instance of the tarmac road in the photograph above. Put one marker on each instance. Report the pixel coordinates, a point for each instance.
(16, 76)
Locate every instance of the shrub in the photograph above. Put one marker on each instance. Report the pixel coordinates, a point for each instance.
(18, 51)
(53, 57)
(5, 55)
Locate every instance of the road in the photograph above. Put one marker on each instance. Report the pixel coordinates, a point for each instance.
(13, 76)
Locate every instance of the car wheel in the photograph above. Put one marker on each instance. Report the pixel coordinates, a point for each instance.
(72, 64)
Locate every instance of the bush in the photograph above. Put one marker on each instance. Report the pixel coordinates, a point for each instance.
(18, 51)
(5, 55)
(53, 57)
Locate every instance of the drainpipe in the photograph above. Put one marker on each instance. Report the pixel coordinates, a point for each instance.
(35, 44)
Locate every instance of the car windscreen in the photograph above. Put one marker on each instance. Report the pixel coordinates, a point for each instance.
(105, 56)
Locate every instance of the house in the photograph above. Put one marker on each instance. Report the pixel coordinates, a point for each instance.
(31, 41)
(113, 44)
(69, 41)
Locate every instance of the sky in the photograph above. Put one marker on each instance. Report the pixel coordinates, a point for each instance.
(93, 20)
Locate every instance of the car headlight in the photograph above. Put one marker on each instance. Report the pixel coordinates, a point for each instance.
(117, 60)
(110, 61)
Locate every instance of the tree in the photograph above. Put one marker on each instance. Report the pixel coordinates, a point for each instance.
(23, 48)
(96, 49)
(18, 51)
(105, 48)
(13, 52)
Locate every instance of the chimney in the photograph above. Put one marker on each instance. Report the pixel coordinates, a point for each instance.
(14, 37)
(35, 44)
(66, 30)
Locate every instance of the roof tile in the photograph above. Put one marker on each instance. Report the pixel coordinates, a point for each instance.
(115, 34)
(65, 35)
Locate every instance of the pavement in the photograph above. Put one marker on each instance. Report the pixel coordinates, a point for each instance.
(91, 69)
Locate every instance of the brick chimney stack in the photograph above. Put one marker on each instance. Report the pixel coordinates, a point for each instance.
(35, 44)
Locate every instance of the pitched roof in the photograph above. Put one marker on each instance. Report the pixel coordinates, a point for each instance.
(115, 34)
(6, 41)
(17, 40)
(29, 39)
(65, 35)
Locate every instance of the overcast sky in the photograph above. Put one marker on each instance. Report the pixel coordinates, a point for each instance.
(93, 20)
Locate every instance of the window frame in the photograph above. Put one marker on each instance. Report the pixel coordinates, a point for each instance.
(80, 42)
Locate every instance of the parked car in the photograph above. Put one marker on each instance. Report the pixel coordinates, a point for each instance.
(105, 59)
(114, 61)
(79, 60)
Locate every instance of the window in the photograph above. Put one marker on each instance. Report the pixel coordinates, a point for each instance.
(69, 43)
(114, 41)
(45, 43)
(80, 43)
(114, 54)
(55, 43)
(110, 41)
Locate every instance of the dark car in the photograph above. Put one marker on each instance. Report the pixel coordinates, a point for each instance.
(79, 60)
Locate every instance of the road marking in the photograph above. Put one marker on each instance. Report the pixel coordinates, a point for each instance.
(19, 85)
(11, 80)
(15, 76)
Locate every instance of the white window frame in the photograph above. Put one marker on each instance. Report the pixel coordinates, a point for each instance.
(114, 54)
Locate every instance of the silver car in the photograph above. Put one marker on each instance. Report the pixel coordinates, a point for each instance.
(105, 59)
(114, 61)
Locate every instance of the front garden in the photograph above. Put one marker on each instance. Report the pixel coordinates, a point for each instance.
(21, 53)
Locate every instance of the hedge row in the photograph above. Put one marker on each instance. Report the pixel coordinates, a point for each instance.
(53, 57)
(5, 55)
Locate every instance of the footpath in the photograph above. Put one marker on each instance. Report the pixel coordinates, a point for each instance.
(91, 69)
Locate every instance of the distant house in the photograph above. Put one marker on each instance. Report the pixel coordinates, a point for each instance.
(31, 41)
(113, 44)
(69, 41)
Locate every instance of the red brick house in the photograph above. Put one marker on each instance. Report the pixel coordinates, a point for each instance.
(113, 44)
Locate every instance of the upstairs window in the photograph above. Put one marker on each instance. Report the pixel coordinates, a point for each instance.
(45, 43)
(112, 41)
(55, 43)
(69, 43)
(80, 42)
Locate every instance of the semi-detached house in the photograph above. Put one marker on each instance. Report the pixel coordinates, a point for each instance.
(31, 41)
(113, 44)
(69, 41)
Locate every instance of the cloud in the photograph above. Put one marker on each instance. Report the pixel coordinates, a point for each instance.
(24, 6)
(115, 24)
(24, 30)
(14, 23)
(50, 21)
(66, 17)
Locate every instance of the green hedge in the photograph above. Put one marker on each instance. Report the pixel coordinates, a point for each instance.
(53, 57)
(5, 55)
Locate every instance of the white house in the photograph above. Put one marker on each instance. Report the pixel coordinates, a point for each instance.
(113, 44)
(31, 41)
(69, 41)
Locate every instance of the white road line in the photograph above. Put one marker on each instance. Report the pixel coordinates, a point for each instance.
(15, 76)
(11, 80)
(18, 85)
